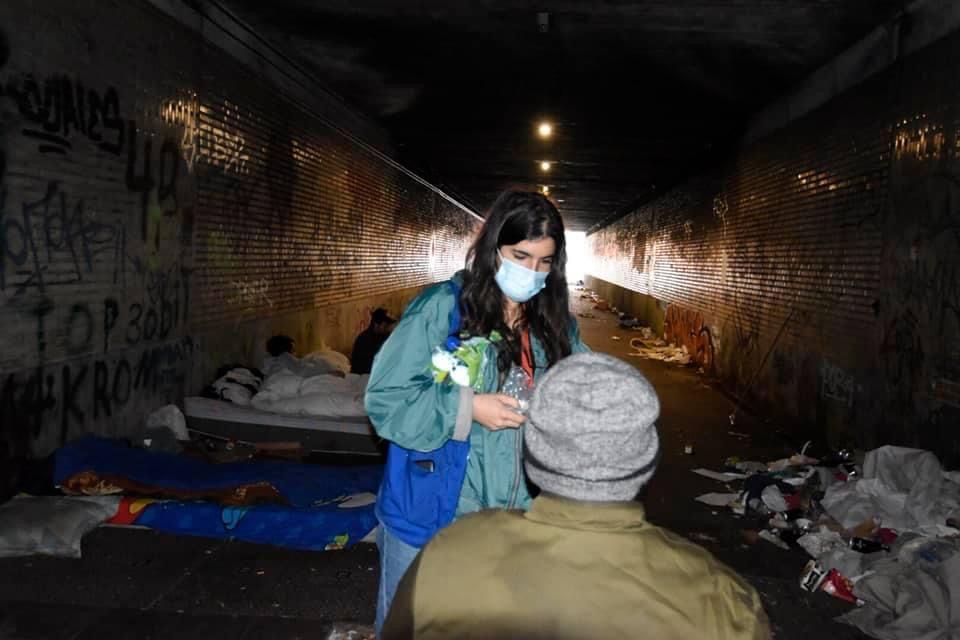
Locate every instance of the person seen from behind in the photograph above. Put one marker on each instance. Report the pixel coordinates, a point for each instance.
(583, 562)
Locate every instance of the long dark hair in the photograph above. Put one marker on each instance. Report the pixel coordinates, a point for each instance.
(514, 217)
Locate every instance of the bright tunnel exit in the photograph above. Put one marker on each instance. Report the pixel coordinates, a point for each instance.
(576, 256)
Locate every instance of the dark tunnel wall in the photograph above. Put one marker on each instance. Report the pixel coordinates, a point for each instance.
(845, 228)
(163, 210)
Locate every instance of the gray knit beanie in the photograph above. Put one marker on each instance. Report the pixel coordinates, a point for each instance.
(590, 432)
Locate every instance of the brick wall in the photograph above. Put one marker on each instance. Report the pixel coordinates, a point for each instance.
(164, 209)
(843, 230)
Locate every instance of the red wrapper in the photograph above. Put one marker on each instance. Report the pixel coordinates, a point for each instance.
(887, 536)
(838, 586)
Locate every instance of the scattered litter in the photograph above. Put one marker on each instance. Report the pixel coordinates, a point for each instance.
(657, 349)
(773, 539)
(703, 537)
(351, 632)
(615, 337)
(586, 314)
(722, 476)
(773, 499)
(796, 460)
(839, 587)
(751, 467)
(821, 542)
(812, 576)
(880, 528)
(717, 499)
(904, 601)
(905, 488)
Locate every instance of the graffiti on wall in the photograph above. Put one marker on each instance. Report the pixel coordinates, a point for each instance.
(56, 110)
(212, 134)
(67, 397)
(686, 327)
(837, 384)
(95, 231)
(920, 310)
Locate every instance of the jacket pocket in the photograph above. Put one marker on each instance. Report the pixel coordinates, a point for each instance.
(423, 489)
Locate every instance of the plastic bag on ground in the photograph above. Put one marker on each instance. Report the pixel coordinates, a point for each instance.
(905, 488)
(171, 417)
(905, 603)
(820, 542)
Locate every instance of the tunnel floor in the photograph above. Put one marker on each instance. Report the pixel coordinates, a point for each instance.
(143, 584)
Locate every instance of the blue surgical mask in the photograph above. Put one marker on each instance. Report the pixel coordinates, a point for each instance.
(519, 283)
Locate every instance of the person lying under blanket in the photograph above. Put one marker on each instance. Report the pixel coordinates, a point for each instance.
(282, 350)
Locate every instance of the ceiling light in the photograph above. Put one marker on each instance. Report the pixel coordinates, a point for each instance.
(544, 165)
(545, 129)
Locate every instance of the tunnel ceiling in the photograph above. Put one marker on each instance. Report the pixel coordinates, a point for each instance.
(642, 94)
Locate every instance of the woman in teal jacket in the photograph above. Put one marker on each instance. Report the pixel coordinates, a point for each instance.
(514, 291)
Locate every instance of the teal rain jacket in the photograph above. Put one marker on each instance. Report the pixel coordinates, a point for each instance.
(407, 407)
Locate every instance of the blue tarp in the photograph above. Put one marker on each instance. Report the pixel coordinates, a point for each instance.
(313, 520)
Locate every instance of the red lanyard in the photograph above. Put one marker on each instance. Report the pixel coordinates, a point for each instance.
(526, 357)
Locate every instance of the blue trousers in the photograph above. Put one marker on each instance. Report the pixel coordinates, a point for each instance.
(396, 556)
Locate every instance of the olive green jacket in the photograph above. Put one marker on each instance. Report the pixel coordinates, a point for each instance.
(571, 570)
(407, 407)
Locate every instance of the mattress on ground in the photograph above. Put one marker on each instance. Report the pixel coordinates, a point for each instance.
(326, 506)
(223, 419)
(335, 525)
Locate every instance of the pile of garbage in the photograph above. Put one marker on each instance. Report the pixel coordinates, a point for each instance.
(647, 344)
(653, 348)
(881, 530)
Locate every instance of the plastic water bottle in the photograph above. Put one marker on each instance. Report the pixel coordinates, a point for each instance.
(517, 385)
